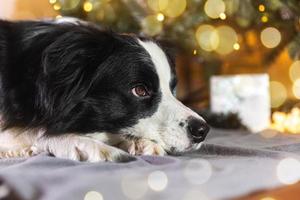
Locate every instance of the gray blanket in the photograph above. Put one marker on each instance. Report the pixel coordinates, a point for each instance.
(229, 164)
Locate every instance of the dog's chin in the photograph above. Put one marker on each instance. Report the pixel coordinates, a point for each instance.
(192, 147)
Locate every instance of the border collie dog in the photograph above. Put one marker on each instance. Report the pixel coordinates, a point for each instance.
(79, 92)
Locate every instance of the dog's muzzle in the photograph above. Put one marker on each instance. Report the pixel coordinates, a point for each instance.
(197, 129)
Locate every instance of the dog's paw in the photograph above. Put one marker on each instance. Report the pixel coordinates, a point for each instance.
(80, 148)
(142, 147)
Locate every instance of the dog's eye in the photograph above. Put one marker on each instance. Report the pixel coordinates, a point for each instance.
(140, 91)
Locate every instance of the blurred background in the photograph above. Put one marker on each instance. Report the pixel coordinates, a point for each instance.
(211, 37)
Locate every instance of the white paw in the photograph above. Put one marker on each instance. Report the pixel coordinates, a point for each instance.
(142, 147)
(80, 148)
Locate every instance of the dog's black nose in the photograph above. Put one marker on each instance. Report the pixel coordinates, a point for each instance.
(198, 129)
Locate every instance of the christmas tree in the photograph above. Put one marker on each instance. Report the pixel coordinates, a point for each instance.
(205, 32)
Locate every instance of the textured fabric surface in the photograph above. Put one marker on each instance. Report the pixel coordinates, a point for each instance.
(229, 164)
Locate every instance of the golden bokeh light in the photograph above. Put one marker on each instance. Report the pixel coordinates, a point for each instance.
(69, 5)
(267, 198)
(52, 1)
(296, 88)
(175, 8)
(286, 122)
(264, 19)
(157, 181)
(56, 6)
(270, 37)
(227, 39)
(195, 52)
(198, 171)
(151, 26)
(93, 195)
(223, 16)
(207, 37)
(236, 46)
(288, 171)
(294, 71)
(278, 94)
(160, 17)
(213, 8)
(58, 16)
(261, 8)
(134, 186)
(157, 5)
(87, 6)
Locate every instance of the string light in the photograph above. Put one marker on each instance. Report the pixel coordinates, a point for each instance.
(286, 122)
(87, 6)
(236, 46)
(223, 16)
(264, 19)
(52, 1)
(57, 6)
(160, 17)
(261, 8)
(194, 51)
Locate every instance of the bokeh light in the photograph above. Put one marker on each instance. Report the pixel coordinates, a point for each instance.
(207, 37)
(56, 6)
(52, 1)
(236, 46)
(227, 39)
(295, 70)
(68, 5)
(93, 195)
(264, 19)
(160, 17)
(278, 94)
(87, 6)
(157, 180)
(175, 8)
(213, 8)
(223, 16)
(151, 26)
(270, 37)
(288, 171)
(267, 198)
(296, 88)
(195, 195)
(261, 8)
(198, 171)
(133, 186)
(157, 5)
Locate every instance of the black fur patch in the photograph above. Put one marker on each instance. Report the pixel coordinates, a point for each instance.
(72, 78)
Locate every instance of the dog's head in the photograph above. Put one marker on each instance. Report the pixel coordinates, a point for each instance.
(120, 84)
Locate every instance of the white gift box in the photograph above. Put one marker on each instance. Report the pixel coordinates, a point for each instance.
(247, 95)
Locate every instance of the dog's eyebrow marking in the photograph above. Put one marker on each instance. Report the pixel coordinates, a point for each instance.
(160, 62)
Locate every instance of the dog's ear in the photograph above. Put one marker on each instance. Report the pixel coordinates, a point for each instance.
(69, 65)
